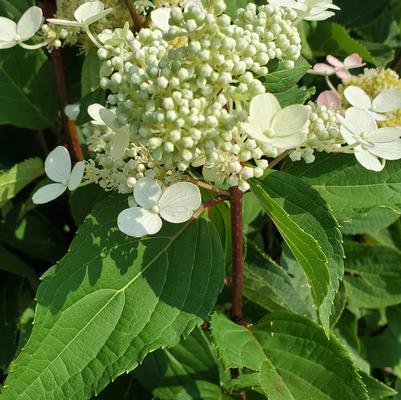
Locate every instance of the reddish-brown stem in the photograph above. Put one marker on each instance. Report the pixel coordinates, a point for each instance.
(137, 20)
(70, 129)
(397, 62)
(237, 280)
(237, 254)
(208, 204)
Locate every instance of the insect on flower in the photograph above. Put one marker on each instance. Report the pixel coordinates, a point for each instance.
(58, 169)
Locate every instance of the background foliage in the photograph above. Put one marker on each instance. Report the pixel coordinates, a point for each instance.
(139, 306)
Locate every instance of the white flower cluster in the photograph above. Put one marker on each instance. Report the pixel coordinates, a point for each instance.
(323, 135)
(184, 92)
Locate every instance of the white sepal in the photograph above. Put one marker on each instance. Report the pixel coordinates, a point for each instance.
(387, 101)
(119, 143)
(178, 202)
(137, 222)
(76, 176)
(29, 23)
(48, 193)
(147, 192)
(58, 165)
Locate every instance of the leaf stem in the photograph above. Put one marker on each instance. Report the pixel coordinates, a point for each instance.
(278, 159)
(207, 186)
(49, 8)
(138, 23)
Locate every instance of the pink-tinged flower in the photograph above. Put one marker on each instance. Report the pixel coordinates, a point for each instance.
(336, 67)
(329, 99)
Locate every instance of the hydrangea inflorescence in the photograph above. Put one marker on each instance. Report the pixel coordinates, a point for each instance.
(186, 95)
(185, 92)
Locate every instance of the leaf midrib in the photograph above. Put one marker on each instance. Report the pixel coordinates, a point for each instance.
(117, 291)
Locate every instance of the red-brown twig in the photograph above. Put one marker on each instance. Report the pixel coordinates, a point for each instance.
(137, 20)
(237, 280)
(397, 62)
(49, 9)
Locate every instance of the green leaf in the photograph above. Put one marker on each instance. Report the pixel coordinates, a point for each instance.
(384, 350)
(376, 389)
(34, 235)
(332, 38)
(290, 356)
(28, 95)
(83, 200)
(374, 275)
(113, 299)
(350, 189)
(306, 216)
(168, 370)
(18, 177)
(234, 5)
(90, 77)
(295, 95)
(97, 96)
(371, 221)
(13, 9)
(15, 295)
(9, 262)
(305, 248)
(283, 79)
(198, 390)
(124, 387)
(347, 331)
(269, 285)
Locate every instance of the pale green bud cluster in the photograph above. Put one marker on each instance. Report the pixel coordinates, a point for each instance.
(184, 92)
(323, 135)
(122, 174)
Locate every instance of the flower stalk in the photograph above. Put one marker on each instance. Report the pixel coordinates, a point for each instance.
(70, 129)
(137, 20)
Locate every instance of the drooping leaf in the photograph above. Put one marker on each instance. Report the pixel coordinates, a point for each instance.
(28, 96)
(34, 235)
(19, 176)
(311, 215)
(384, 350)
(168, 370)
(374, 275)
(15, 296)
(113, 299)
(198, 390)
(376, 389)
(269, 285)
(289, 356)
(350, 189)
(11, 263)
